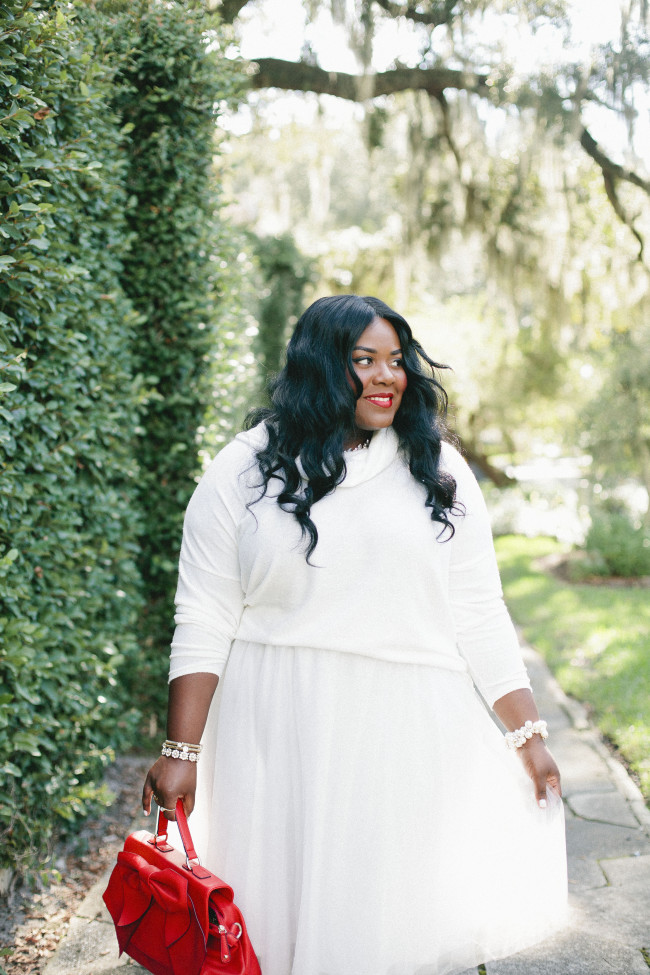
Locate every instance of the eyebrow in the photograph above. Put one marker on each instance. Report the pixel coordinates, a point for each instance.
(364, 348)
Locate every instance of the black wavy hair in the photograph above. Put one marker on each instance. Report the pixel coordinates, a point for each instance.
(313, 407)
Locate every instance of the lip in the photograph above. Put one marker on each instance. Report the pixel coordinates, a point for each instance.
(384, 401)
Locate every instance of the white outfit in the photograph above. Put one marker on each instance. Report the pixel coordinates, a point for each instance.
(353, 788)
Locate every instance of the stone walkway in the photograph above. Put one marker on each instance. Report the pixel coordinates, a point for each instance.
(608, 841)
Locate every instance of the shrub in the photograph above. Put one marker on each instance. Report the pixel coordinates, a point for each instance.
(616, 547)
(170, 81)
(112, 283)
(70, 592)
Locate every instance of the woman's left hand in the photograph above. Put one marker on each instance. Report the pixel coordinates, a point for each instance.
(541, 767)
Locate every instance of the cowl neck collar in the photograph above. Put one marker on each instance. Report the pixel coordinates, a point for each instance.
(364, 464)
(361, 465)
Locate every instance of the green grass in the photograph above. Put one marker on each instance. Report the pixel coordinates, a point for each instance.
(595, 639)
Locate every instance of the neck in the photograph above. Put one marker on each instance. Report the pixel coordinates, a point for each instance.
(357, 440)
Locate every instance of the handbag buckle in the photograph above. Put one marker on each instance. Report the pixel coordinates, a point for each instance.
(159, 840)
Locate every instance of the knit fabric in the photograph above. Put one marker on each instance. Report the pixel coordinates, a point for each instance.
(385, 580)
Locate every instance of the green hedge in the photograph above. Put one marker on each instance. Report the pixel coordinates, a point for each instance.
(168, 88)
(113, 273)
(70, 591)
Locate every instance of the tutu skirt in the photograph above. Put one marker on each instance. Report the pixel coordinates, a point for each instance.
(370, 817)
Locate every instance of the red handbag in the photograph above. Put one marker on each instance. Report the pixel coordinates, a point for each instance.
(173, 916)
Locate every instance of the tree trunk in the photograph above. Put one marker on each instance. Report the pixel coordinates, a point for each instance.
(476, 458)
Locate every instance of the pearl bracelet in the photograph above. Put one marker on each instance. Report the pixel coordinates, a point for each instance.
(515, 739)
(182, 750)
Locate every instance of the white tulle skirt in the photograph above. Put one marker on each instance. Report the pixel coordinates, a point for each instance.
(371, 819)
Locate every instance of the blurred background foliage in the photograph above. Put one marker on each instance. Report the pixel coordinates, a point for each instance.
(497, 195)
(177, 181)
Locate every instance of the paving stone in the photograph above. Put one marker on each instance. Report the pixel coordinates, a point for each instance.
(92, 907)
(631, 873)
(597, 841)
(641, 811)
(556, 718)
(621, 912)
(604, 807)
(568, 811)
(584, 874)
(90, 948)
(573, 953)
(133, 969)
(583, 770)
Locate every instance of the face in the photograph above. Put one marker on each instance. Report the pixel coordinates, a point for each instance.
(377, 359)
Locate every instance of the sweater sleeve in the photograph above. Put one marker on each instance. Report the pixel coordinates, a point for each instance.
(486, 637)
(209, 596)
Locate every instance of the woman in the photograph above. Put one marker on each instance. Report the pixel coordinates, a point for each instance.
(338, 582)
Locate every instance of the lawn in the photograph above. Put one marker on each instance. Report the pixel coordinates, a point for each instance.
(595, 639)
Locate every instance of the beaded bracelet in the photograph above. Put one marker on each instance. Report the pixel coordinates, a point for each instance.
(515, 739)
(182, 750)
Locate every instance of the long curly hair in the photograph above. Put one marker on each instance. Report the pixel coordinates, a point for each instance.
(313, 409)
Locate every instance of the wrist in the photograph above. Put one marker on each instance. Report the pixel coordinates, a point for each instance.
(183, 750)
(529, 731)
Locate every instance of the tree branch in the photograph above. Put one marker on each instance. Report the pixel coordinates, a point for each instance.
(229, 9)
(442, 14)
(446, 129)
(298, 76)
(612, 173)
(592, 148)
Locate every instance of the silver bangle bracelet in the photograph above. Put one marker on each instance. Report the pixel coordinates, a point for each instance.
(181, 749)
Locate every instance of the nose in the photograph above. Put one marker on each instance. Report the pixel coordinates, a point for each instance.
(383, 374)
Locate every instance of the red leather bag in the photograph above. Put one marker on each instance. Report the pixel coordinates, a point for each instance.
(173, 916)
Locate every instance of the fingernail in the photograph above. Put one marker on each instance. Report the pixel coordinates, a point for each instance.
(542, 803)
(146, 812)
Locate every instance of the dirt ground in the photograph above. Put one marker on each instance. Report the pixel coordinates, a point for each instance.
(33, 921)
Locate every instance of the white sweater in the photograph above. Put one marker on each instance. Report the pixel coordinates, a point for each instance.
(382, 582)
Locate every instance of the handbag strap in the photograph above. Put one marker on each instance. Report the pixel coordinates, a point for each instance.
(183, 829)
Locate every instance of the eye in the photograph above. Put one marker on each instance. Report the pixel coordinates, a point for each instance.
(362, 360)
(398, 363)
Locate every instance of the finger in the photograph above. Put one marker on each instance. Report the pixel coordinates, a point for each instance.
(170, 812)
(188, 806)
(147, 793)
(543, 781)
(538, 777)
(166, 807)
(555, 783)
(188, 803)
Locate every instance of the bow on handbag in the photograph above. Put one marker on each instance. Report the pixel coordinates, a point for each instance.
(135, 888)
(171, 914)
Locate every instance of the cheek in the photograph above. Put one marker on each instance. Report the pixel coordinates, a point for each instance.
(403, 383)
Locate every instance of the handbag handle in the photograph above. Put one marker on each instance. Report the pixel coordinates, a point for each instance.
(191, 857)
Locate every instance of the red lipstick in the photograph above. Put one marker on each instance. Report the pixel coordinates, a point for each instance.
(383, 400)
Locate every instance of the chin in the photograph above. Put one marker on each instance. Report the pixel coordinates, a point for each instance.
(376, 424)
